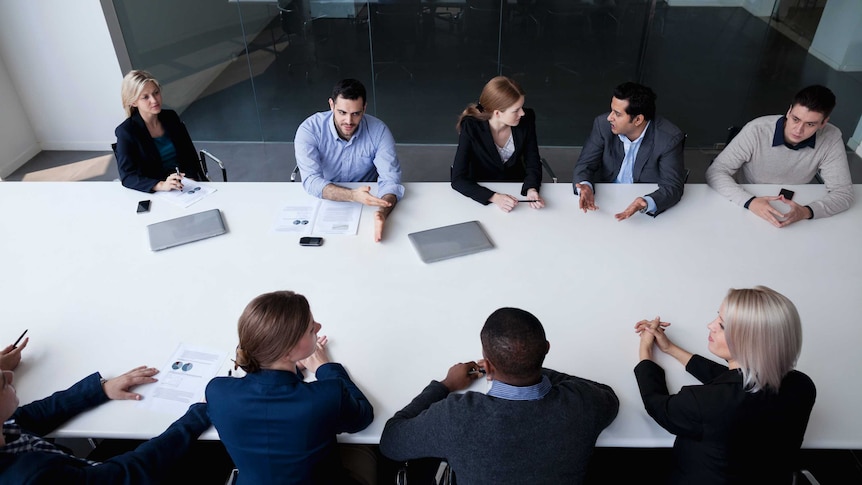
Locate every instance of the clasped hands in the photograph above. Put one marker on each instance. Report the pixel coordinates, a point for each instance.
(587, 201)
(652, 332)
(762, 208)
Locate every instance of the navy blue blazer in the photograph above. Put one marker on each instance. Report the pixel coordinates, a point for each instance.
(146, 464)
(477, 158)
(138, 159)
(659, 160)
(725, 435)
(279, 429)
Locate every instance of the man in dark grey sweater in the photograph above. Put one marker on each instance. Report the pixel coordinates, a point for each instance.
(533, 426)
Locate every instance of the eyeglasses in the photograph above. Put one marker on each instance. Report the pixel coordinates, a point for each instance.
(297, 222)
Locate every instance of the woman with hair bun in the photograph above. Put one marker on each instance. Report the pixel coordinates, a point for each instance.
(276, 427)
(498, 142)
(746, 422)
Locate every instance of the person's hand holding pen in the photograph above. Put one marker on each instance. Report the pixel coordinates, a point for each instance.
(173, 182)
(10, 356)
(460, 376)
(504, 201)
(317, 358)
(536, 201)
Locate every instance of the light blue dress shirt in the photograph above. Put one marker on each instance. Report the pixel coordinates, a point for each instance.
(517, 393)
(626, 176)
(324, 158)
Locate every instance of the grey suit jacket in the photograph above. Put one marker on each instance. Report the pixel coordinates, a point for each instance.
(659, 160)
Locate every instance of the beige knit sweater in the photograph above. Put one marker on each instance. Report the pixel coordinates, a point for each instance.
(751, 159)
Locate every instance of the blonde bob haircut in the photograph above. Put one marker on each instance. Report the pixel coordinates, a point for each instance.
(133, 84)
(764, 335)
(500, 93)
(270, 327)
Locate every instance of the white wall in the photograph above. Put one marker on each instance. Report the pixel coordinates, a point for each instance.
(759, 8)
(17, 139)
(855, 142)
(60, 57)
(838, 41)
(704, 3)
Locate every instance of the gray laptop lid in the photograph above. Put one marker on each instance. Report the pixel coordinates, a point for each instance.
(186, 229)
(450, 241)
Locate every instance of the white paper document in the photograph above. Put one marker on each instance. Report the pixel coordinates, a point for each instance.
(337, 217)
(191, 193)
(182, 380)
(298, 219)
(320, 217)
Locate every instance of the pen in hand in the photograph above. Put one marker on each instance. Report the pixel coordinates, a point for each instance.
(479, 371)
(528, 201)
(179, 177)
(15, 345)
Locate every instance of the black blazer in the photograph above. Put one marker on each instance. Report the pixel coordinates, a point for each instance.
(659, 160)
(138, 159)
(725, 435)
(478, 160)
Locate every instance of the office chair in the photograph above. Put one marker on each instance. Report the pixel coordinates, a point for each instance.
(803, 477)
(203, 161)
(203, 154)
(547, 167)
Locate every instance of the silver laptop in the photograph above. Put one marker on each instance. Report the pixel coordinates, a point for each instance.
(186, 229)
(450, 241)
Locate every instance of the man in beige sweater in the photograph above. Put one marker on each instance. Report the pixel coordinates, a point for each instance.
(787, 149)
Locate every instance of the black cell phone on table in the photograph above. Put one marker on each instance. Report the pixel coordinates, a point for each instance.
(310, 241)
(788, 194)
(143, 206)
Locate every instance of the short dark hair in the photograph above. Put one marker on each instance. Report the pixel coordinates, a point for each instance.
(816, 98)
(349, 89)
(514, 341)
(641, 99)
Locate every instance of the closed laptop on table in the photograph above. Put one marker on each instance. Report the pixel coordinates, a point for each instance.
(185, 229)
(450, 241)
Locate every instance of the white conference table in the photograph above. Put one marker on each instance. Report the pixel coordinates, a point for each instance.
(78, 272)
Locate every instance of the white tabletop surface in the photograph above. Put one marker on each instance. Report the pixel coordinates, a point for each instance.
(78, 272)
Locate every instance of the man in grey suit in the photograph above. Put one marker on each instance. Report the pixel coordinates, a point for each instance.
(632, 145)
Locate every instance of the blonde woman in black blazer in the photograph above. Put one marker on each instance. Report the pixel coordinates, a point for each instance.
(498, 143)
(746, 422)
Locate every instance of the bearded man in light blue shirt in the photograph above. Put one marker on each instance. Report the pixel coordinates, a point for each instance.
(347, 145)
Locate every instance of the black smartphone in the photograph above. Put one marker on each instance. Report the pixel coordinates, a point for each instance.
(143, 206)
(788, 194)
(310, 241)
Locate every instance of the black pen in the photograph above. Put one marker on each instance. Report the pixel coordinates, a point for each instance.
(528, 201)
(476, 371)
(15, 345)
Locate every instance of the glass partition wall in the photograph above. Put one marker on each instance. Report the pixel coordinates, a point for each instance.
(252, 70)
